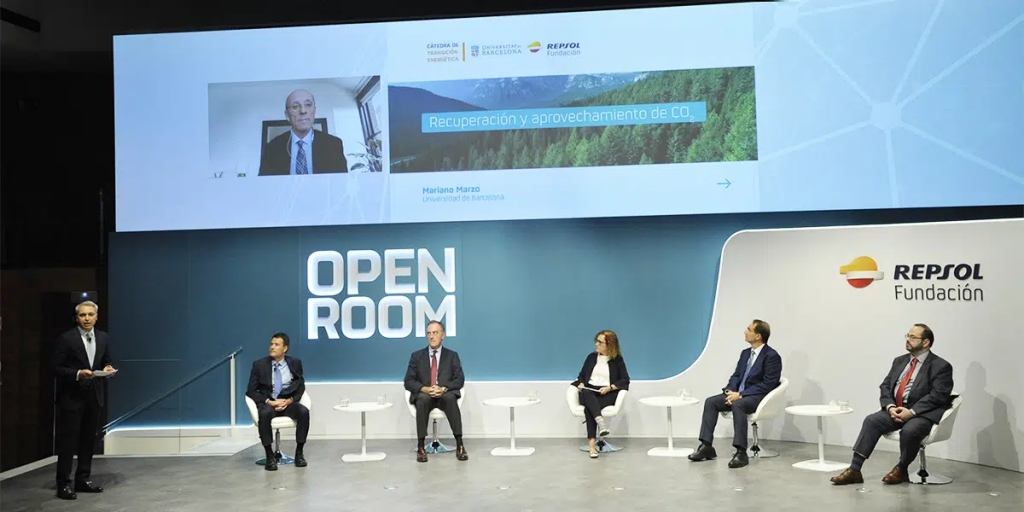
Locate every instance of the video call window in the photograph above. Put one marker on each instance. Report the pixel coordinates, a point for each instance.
(312, 126)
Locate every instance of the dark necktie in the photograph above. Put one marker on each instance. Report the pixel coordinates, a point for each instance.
(905, 382)
(300, 160)
(433, 369)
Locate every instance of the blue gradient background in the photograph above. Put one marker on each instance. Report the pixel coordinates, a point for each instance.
(878, 104)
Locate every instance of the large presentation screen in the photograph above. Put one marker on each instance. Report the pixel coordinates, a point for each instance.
(779, 106)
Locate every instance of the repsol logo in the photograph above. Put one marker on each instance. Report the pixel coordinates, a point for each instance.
(961, 271)
(337, 283)
(563, 46)
(960, 292)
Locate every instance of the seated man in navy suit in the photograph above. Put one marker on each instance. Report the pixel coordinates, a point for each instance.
(276, 385)
(758, 371)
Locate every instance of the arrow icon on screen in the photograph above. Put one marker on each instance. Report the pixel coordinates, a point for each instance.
(725, 183)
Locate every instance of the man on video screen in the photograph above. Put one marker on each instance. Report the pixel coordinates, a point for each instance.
(302, 150)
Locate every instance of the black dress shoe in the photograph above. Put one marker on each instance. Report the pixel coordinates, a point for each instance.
(460, 453)
(271, 464)
(739, 459)
(300, 460)
(64, 492)
(421, 455)
(703, 452)
(87, 486)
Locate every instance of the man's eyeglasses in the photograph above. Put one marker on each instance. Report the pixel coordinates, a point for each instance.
(912, 337)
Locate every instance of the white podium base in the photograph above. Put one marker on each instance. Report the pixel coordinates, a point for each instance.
(363, 457)
(505, 451)
(664, 451)
(819, 465)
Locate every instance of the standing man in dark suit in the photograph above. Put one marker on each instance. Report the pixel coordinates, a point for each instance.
(758, 371)
(302, 150)
(80, 394)
(434, 378)
(276, 385)
(914, 395)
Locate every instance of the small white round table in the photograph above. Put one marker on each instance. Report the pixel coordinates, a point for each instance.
(362, 408)
(668, 402)
(511, 402)
(819, 411)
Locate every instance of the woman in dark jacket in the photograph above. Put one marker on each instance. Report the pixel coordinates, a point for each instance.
(602, 376)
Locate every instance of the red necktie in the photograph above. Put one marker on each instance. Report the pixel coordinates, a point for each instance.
(433, 369)
(904, 382)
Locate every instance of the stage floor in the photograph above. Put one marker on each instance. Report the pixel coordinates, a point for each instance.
(557, 477)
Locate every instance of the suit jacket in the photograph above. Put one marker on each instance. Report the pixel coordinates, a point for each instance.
(328, 155)
(261, 380)
(931, 393)
(617, 373)
(449, 372)
(764, 376)
(69, 356)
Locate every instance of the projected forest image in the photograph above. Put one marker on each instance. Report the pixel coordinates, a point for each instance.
(728, 133)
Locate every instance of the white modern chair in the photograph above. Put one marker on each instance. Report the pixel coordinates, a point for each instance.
(572, 397)
(770, 407)
(277, 424)
(941, 431)
(435, 445)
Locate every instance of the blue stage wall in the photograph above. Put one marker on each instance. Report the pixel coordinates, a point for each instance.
(530, 295)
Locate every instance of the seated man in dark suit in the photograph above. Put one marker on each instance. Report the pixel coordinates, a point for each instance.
(302, 150)
(276, 385)
(434, 378)
(758, 371)
(915, 394)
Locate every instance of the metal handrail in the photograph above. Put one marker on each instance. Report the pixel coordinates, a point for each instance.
(124, 417)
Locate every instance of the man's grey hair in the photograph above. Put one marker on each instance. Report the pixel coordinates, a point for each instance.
(87, 303)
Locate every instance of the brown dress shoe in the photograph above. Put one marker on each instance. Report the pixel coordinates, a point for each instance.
(898, 475)
(460, 453)
(421, 455)
(847, 477)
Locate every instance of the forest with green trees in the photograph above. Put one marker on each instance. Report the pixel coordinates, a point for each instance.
(728, 134)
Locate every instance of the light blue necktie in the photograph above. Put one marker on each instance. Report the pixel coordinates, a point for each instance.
(277, 380)
(750, 364)
(300, 160)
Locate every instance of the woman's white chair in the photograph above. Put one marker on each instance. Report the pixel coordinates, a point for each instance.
(435, 445)
(277, 424)
(941, 431)
(771, 405)
(572, 397)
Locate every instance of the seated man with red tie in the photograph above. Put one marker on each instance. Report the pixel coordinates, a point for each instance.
(434, 378)
(915, 394)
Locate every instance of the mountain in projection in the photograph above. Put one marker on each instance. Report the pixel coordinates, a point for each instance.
(510, 93)
(580, 87)
(406, 106)
(530, 91)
